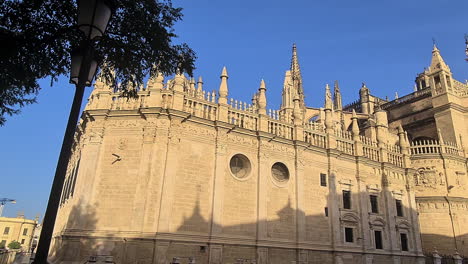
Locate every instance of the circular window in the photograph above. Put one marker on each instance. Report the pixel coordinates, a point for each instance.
(280, 172)
(240, 166)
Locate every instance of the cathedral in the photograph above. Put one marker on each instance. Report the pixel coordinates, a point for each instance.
(183, 175)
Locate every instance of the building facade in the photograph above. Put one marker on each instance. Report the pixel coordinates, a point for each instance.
(182, 175)
(17, 229)
(435, 117)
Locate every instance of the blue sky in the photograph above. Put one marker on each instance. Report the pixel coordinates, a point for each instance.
(382, 43)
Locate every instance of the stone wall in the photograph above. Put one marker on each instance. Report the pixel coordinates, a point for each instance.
(164, 188)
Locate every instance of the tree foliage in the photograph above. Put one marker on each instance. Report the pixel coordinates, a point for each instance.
(38, 36)
(14, 245)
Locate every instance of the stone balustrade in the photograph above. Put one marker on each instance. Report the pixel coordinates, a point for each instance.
(430, 147)
(202, 104)
(406, 98)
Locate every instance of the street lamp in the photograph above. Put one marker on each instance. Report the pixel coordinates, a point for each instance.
(93, 17)
(466, 43)
(79, 58)
(4, 201)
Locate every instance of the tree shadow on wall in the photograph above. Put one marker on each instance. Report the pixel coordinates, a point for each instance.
(67, 245)
(241, 241)
(81, 237)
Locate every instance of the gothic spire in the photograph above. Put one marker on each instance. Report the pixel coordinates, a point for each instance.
(337, 97)
(292, 85)
(295, 69)
(296, 76)
(437, 62)
(328, 98)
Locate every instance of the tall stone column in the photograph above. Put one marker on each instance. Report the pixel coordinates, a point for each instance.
(218, 186)
(262, 103)
(382, 133)
(169, 176)
(143, 199)
(262, 194)
(390, 213)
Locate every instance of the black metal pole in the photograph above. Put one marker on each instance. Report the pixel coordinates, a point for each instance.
(57, 185)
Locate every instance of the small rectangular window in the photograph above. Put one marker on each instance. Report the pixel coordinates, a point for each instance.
(399, 207)
(323, 179)
(349, 235)
(346, 199)
(25, 231)
(6, 231)
(326, 211)
(378, 239)
(22, 241)
(374, 203)
(404, 242)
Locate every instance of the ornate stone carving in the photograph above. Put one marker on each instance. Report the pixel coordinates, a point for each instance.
(239, 140)
(429, 177)
(94, 135)
(124, 123)
(278, 148)
(199, 131)
(149, 133)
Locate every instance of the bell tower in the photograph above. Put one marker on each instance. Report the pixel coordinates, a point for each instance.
(440, 75)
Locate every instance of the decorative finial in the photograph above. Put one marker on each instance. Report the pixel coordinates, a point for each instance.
(262, 102)
(224, 72)
(223, 87)
(337, 97)
(400, 129)
(328, 97)
(262, 84)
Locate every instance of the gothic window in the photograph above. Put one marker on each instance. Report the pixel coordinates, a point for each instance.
(6, 231)
(240, 166)
(280, 172)
(346, 199)
(374, 203)
(25, 231)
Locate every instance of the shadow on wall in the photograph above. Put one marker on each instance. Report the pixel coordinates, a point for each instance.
(445, 245)
(69, 247)
(366, 230)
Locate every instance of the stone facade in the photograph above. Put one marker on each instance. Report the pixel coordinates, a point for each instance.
(435, 118)
(188, 175)
(17, 229)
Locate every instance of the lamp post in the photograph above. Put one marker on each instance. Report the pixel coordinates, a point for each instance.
(93, 17)
(3, 201)
(466, 49)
